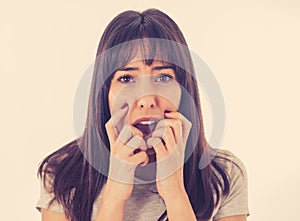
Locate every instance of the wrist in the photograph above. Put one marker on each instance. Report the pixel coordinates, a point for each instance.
(176, 197)
(179, 207)
(110, 208)
(113, 199)
(113, 193)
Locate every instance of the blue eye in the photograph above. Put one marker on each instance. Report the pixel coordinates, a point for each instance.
(164, 78)
(125, 79)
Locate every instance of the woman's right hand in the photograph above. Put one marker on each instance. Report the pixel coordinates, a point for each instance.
(123, 157)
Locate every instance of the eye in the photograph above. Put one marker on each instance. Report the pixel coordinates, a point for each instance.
(125, 79)
(164, 78)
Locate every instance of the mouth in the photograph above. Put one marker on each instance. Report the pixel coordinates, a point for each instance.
(147, 125)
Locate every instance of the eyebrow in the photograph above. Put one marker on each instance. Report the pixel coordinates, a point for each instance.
(154, 68)
(127, 69)
(163, 67)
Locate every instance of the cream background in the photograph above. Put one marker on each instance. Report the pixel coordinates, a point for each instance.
(252, 48)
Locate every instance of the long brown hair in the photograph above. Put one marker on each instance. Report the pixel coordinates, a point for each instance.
(77, 183)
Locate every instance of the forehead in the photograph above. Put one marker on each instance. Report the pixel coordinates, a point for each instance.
(142, 49)
(144, 63)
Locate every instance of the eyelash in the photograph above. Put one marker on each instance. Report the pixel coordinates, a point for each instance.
(170, 77)
(122, 80)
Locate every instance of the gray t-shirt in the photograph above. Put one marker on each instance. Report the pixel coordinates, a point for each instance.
(145, 204)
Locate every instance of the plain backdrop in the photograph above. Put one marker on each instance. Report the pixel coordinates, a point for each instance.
(252, 47)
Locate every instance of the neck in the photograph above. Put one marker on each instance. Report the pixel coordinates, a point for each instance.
(147, 173)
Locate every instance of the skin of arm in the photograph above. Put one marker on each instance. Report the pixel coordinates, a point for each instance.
(116, 193)
(48, 215)
(171, 189)
(234, 218)
(111, 208)
(179, 208)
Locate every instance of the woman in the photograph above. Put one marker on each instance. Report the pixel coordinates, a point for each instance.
(138, 157)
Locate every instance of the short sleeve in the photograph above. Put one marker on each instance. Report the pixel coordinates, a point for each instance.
(236, 203)
(46, 196)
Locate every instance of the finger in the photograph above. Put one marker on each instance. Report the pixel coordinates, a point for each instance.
(110, 125)
(174, 124)
(125, 134)
(136, 131)
(128, 132)
(186, 124)
(139, 158)
(160, 132)
(166, 134)
(137, 142)
(117, 116)
(158, 147)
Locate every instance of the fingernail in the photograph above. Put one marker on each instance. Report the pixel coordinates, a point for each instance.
(168, 113)
(124, 106)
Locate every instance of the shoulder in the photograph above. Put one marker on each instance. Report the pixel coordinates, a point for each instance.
(47, 198)
(54, 169)
(236, 202)
(231, 163)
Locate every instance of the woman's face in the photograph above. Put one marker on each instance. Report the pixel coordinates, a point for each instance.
(149, 91)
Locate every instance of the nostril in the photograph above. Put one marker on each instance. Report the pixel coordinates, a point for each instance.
(146, 102)
(151, 106)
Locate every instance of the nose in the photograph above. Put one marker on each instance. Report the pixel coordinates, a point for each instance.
(146, 102)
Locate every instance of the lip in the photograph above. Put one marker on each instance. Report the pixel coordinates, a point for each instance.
(147, 129)
(152, 118)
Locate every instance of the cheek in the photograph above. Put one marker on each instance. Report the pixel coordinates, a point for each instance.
(117, 98)
(114, 96)
(167, 96)
(113, 100)
(110, 102)
(170, 97)
(167, 105)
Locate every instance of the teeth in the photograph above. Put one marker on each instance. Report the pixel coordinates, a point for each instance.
(147, 122)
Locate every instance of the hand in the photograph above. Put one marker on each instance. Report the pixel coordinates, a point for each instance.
(169, 142)
(123, 159)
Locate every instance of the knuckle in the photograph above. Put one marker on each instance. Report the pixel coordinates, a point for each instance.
(138, 137)
(107, 124)
(154, 141)
(169, 131)
(160, 123)
(189, 124)
(177, 122)
(136, 141)
(120, 141)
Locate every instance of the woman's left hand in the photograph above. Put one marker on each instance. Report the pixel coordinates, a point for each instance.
(169, 142)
